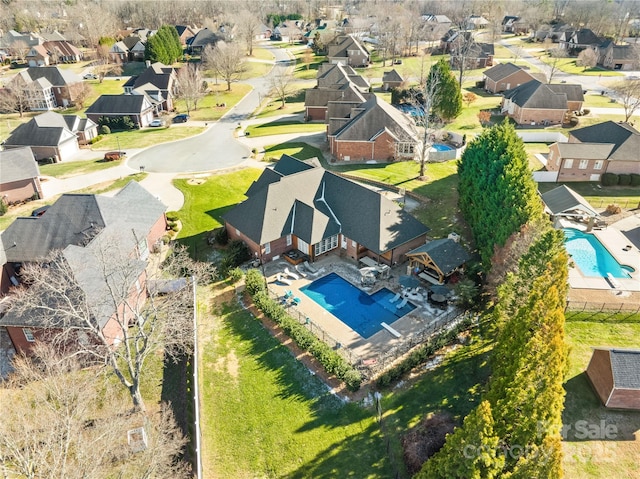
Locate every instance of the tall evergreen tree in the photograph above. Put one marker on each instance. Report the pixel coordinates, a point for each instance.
(471, 452)
(447, 102)
(497, 193)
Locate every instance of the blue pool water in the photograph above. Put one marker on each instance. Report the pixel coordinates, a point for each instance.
(591, 256)
(360, 311)
(441, 147)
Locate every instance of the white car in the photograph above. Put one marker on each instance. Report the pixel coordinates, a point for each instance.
(156, 122)
(90, 76)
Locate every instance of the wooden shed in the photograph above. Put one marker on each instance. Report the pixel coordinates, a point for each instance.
(615, 377)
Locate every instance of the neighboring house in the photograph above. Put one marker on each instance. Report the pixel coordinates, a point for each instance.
(84, 128)
(158, 81)
(579, 40)
(391, 79)
(505, 76)
(82, 226)
(537, 103)
(185, 32)
(563, 202)
(47, 87)
(19, 175)
(371, 131)
(591, 151)
(476, 22)
(615, 377)
(49, 135)
(136, 46)
(61, 51)
(508, 23)
(454, 39)
(475, 55)
(289, 32)
(299, 206)
(38, 56)
(438, 259)
(9, 39)
(348, 51)
(137, 107)
(119, 52)
(619, 57)
(200, 40)
(553, 32)
(332, 75)
(316, 100)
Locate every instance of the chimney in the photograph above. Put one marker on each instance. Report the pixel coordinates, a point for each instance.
(147, 63)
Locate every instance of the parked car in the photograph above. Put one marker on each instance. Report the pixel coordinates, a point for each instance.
(181, 118)
(156, 122)
(90, 76)
(114, 155)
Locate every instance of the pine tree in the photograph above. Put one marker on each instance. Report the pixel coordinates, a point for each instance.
(471, 452)
(448, 99)
(497, 193)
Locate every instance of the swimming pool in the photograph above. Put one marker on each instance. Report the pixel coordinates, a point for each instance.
(360, 311)
(591, 256)
(440, 147)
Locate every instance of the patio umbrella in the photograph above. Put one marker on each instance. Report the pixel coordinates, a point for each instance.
(409, 281)
(440, 289)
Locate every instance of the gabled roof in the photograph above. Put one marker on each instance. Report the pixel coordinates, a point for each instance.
(573, 92)
(372, 118)
(431, 18)
(625, 367)
(624, 52)
(119, 47)
(54, 36)
(322, 96)
(535, 94)
(119, 104)
(17, 164)
(503, 70)
(585, 36)
(131, 41)
(624, 137)
(38, 50)
(563, 199)
(342, 45)
(590, 151)
(203, 38)
(62, 48)
(313, 204)
(445, 253)
(54, 75)
(47, 129)
(331, 75)
(391, 76)
(157, 74)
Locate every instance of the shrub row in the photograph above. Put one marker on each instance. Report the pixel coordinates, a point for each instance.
(622, 179)
(422, 353)
(332, 362)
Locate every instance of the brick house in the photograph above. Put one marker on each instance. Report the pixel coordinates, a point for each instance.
(301, 206)
(370, 131)
(158, 81)
(614, 375)
(19, 175)
(348, 51)
(47, 87)
(537, 103)
(619, 57)
(505, 76)
(591, 151)
(82, 225)
(476, 55)
(137, 107)
(576, 41)
(391, 79)
(185, 32)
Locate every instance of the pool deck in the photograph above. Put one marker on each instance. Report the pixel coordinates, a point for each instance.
(365, 348)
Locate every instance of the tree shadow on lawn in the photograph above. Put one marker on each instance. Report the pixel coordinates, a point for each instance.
(353, 454)
(584, 415)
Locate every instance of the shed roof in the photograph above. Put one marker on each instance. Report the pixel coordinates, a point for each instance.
(563, 199)
(445, 253)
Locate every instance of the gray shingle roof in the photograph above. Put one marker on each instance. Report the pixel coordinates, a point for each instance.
(535, 94)
(119, 104)
(314, 204)
(48, 129)
(17, 164)
(563, 199)
(391, 76)
(590, 151)
(624, 137)
(157, 74)
(445, 253)
(502, 70)
(54, 75)
(625, 364)
(573, 92)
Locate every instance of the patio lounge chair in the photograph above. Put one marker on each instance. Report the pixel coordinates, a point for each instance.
(299, 270)
(310, 268)
(290, 274)
(395, 298)
(402, 303)
(282, 280)
(296, 301)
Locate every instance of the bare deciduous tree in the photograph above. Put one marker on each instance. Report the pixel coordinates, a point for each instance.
(102, 311)
(105, 64)
(629, 93)
(226, 60)
(248, 27)
(80, 91)
(556, 55)
(587, 58)
(17, 96)
(61, 422)
(461, 50)
(280, 82)
(190, 86)
(423, 100)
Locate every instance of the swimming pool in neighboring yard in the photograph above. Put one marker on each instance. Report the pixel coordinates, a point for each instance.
(359, 310)
(591, 257)
(441, 147)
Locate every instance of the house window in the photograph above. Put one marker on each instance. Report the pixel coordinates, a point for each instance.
(568, 163)
(583, 164)
(598, 165)
(143, 249)
(405, 148)
(288, 240)
(28, 335)
(325, 245)
(267, 248)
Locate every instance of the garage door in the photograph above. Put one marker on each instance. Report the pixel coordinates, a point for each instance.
(68, 149)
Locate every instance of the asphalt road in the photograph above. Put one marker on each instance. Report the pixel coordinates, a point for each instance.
(214, 149)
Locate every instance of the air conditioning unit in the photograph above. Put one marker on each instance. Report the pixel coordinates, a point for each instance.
(454, 236)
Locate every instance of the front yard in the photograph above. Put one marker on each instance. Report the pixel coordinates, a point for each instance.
(283, 127)
(145, 137)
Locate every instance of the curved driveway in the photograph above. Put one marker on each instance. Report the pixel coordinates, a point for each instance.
(214, 149)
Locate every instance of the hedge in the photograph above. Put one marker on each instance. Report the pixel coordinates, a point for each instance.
(624, 179)
(422, 353)
(332, 362)
(635, 179)
(609, 179)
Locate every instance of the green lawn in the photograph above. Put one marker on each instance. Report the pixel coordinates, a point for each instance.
(207, 109)
(600, 101)
(264, 415)
(255, 70)
(600, 197)
(532, 149)
(260, 53)
(568, 65)
(294, 103)
(303, 71)
(284, 127)
(302, 151)
(144, 138)
(75, 168)
(204, 204)
(598, 458)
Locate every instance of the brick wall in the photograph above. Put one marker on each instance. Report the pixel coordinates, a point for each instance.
(316, 113)
(22, 189)
(600, 374)
(511, 81)
(381, 149)
(619, 166)
(524, 116)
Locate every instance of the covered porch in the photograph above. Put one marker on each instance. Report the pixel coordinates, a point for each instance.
(437, 260)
